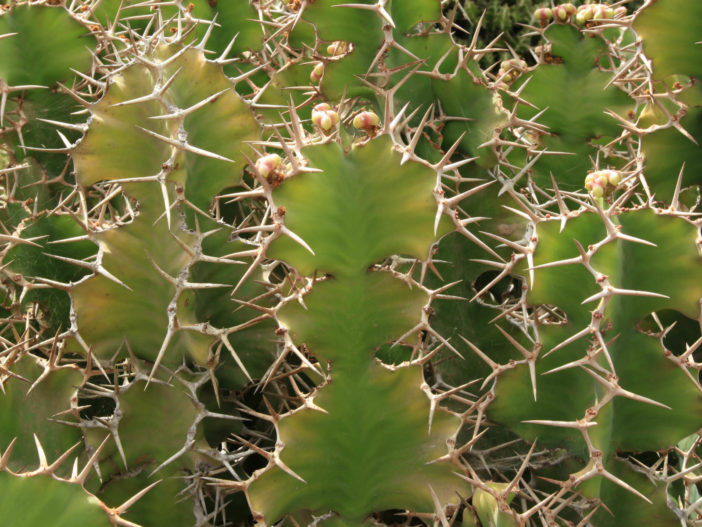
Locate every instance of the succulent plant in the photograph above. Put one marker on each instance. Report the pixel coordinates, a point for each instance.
(313, 263)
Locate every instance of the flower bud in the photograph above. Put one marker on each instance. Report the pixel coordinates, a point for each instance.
(321, 107)
(584, 14)
(601, 181)
(324, 121)
(589, 181)
(613, 177)
(515, 64)
(543, 15)
(562, 12)
(324, 117)
(511, 69)
(337, 48)
(599, 12)
(317, 72)
(620, 11)
(597, 191)
(366, 121)
(267, 164)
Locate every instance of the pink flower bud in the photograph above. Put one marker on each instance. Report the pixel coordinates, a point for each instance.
(324, 121)
(267, 164)
(543, 15)
(324, 117)
(317, 72)
(366, 121)
(597, 183)
(321, 107)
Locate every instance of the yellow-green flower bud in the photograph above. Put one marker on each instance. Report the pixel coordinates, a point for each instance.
(562, 12)
(613, 177)
(337, 48)
(589, 180)
(597, 191)
(599, 12)
(584, 14)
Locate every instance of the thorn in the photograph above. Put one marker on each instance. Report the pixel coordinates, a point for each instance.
(563, 424)
(83, 475)
(480, 354)
(279, 463)
(623, 484)
(40, 453)
(131, 501)
(439, 508)
(184, 145)
(520, 472)
(233, 353)
(69, 126)
(160, 355)
(296, 238)
(5, 238)
(98, 269)
(569, 340)
(675, 202)
(437, 218)
(5, 457)
(193, 108)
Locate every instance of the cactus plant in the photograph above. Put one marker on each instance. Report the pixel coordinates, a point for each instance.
(282, 262)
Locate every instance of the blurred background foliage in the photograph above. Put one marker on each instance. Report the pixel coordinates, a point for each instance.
(506, 17)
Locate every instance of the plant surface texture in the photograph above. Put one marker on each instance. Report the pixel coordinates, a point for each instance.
(323, 263)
